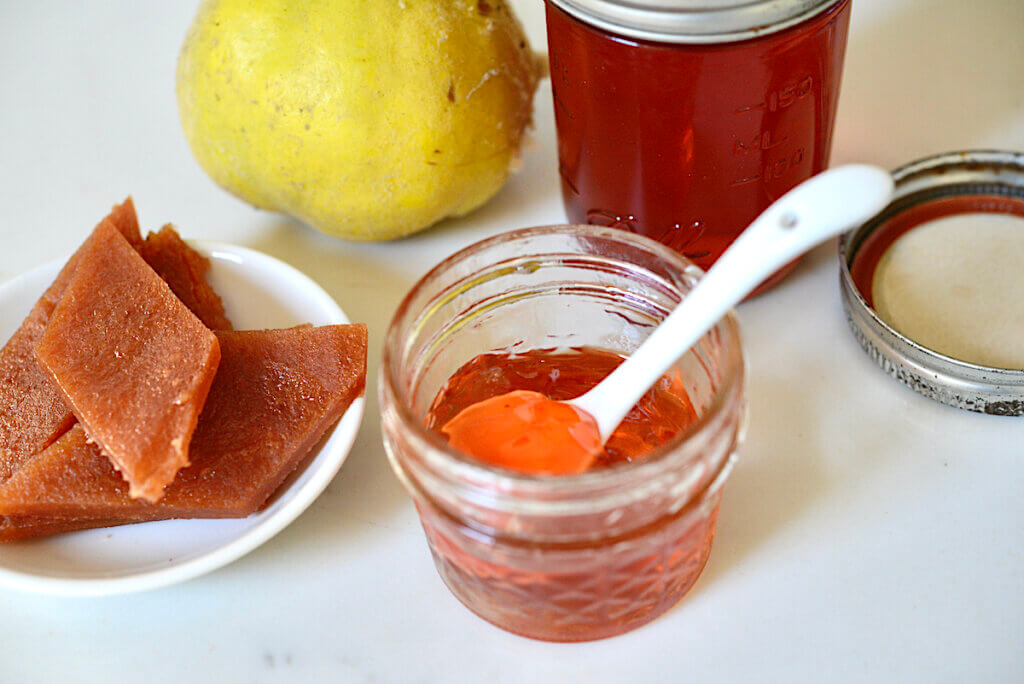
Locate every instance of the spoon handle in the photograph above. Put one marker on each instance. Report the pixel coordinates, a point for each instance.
(810, 213)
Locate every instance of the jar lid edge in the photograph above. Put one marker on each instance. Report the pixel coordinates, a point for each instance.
(694, 21)
(952, 381)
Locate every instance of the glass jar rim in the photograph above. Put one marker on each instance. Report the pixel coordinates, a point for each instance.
(694, 21)
(659, 461)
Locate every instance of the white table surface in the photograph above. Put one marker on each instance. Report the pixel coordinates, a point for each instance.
(867, 534)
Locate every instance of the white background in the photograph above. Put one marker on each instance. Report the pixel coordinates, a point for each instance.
(867, 533)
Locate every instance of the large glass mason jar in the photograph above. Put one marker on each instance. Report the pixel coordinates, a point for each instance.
(682, 120)
(565, 558)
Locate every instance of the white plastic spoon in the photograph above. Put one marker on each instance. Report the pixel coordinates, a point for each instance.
(812, 212)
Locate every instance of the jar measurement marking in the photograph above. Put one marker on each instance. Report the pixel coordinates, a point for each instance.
(783, 97)
(774, 169)
(565, 178)
(560, 104)
(559, 73)
(761, 141)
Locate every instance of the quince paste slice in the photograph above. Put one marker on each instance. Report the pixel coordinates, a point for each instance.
(132, 362)
(184, 270)
(32, 411)
(275, 394)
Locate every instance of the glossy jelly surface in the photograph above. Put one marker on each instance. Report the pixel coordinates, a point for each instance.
(661, 414)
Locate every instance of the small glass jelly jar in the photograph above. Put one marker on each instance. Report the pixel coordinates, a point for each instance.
(568, 558)
(683, 120)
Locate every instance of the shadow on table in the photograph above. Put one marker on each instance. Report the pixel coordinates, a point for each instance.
(778, 476)
(793, 464)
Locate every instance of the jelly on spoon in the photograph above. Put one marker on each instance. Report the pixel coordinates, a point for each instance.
(524, 430)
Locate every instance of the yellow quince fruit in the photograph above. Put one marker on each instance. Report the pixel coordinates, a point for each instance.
(368, 119)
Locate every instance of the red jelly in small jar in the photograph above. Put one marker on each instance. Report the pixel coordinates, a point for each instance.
(561, 557)
(553, 600)
(684, 124)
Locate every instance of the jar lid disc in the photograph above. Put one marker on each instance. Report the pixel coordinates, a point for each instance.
(932, 285)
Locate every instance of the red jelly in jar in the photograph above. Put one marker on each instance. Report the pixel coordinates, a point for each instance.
(683, 123)
(568, 557)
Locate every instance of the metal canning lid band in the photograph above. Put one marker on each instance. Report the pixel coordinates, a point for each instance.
(693, 21)
(988, 174)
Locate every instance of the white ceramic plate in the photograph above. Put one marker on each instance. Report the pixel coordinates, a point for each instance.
(258, 292)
